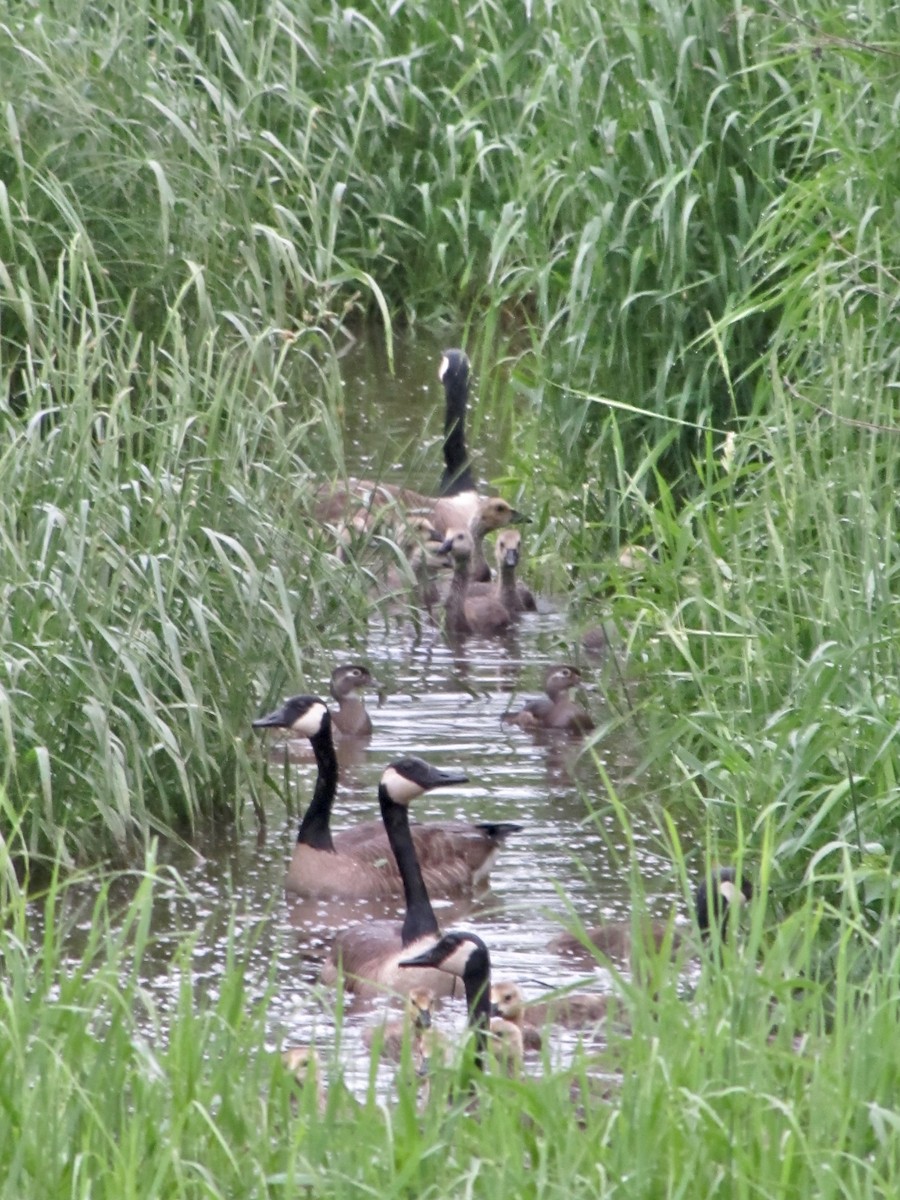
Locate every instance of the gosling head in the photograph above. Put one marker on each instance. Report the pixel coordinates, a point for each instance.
(459, 545)
(306, 715)
(714, 906)
(495, 513)
(350, 678)
(560, 678)
(408, 778)
(507, 1000)
(508, 548)
(420, 1007)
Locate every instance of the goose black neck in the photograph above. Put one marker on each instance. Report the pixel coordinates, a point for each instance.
(457, 475)
(477, 980)
(420, 919)
(315, 828)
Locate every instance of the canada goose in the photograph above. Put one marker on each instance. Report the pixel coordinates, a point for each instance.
(614, 938)
(369, 954)
(515, 596)
(727, 891)
(351, 718)
(414, 1028)
(465, 613)
(356, 863)
(555, 710)
(464, 956)
(352, 504)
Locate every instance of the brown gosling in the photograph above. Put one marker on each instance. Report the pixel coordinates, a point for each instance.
(555, 709)
(465, 614)
(351, 718)
(414, 1028)
(512, 593)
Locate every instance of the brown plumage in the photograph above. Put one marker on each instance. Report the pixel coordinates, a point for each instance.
(574, 1010)
(414, 1028)
(512, 593)
(350, 718)
(355, 863)
(369, 953)
(357, 505)
(555, 709)
(466, 614)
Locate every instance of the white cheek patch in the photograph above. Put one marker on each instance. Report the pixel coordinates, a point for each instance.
(729, 892)
(310, 722)
(442, 369)
(455, 963)
(399, 788)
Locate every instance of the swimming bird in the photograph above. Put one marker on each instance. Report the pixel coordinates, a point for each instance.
(414, 1028)
(515, 596)
(465, 613)
(573, 1010)
(355, 863)
(508, 1006)
(357, 504)
(463, 956)
(305, 1065)
(613, 939)
(555, 709)
(369, 953)
(351, 717)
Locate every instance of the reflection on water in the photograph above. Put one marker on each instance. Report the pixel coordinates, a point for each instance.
(444, 704)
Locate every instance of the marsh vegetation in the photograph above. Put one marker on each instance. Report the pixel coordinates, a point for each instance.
(667, 235)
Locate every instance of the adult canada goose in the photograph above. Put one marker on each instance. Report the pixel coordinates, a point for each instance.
(351, 718)
(414, 1028)
(369, 954)
(555, 710)
(457, 497)
(463, 956)
(357, 863)
(465, 613)
(614, 938)
(515, 596)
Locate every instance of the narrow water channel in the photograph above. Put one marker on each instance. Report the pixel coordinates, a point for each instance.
(443, 704)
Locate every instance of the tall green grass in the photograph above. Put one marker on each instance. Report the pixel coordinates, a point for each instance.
(767, 1081)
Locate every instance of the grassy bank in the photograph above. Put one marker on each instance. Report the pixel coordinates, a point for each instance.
(105, 1096)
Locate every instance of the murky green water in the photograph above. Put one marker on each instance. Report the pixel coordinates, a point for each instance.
(444, 705)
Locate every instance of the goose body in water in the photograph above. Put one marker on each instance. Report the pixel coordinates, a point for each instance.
(614, 939)
(368, 954)
(356, 863)
(464, 613)
(555, 709)
(351, 718)
(358, 503)
(511, 592)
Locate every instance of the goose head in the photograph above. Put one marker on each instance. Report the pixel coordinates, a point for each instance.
(714, 904)
(408, 778)
(461, 954)
(495, 513)
(453, 369)
(560, 678)
(508, 548)
(459, 545)
(306, 715)
(420, 1008)
(350, 678)
(507, 1001)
